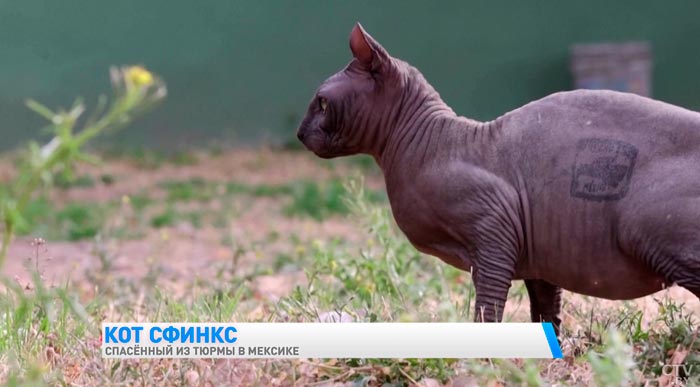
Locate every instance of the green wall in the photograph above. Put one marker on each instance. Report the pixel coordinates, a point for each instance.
(244, 71)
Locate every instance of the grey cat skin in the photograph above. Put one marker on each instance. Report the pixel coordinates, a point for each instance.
(596, 192)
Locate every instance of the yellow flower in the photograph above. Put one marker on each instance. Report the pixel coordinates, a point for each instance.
(139, 76)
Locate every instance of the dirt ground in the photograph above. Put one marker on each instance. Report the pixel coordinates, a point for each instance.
(255, 233)
(184, 252)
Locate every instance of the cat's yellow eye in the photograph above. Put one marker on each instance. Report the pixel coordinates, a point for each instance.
(322, 103)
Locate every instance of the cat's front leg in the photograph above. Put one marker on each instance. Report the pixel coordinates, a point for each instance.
(492, 280)
(480, 215)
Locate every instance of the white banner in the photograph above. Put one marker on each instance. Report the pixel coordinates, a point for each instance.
(329, 340)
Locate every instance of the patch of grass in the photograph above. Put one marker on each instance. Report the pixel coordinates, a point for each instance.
(140, 201)
(64, 181)
(41, 325)
(170, 216)
(38, 211)
(321, 200)
(308, 198)
(190, 190)
(675, 330)
(107, 179)
(166, 218)
(80, 220)
(284, 260)
(74, 221)
(183, 158)
(380, 279)
(149, 158)
(506, 372)
(265, 190)
(261, 190)
(194, 218)
(316, 200)
(384, 280)
(386, 269)
(613, 367)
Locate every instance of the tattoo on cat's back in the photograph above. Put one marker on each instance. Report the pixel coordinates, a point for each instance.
(602, 169)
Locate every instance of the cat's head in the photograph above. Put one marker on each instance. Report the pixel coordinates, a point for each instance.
(351, 111)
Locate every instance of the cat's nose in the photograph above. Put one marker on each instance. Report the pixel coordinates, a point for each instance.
(300, 135)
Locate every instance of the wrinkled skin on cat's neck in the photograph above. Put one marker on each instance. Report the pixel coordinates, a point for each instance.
(596, 192)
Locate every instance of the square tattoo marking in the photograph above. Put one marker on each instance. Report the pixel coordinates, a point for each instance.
(603, 169)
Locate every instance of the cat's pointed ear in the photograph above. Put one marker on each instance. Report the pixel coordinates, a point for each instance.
(368, 52)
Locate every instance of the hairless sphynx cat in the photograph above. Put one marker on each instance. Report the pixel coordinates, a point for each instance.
(596, 192)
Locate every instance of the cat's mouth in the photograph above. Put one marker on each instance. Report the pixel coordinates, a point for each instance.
(324, 155)
(315, 144)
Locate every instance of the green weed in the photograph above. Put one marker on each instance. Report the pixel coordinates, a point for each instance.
(166, 218)
(194, 189)
(613, 367)
(73, 221)
(380, 279)
(65, 182)
(134, 91)
(80, 221)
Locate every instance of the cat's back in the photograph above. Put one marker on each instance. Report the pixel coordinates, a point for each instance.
(609, 101)
(602, 112)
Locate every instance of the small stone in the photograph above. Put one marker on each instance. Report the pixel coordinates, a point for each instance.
(463, 381)
(192, 378)
(428, 382)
